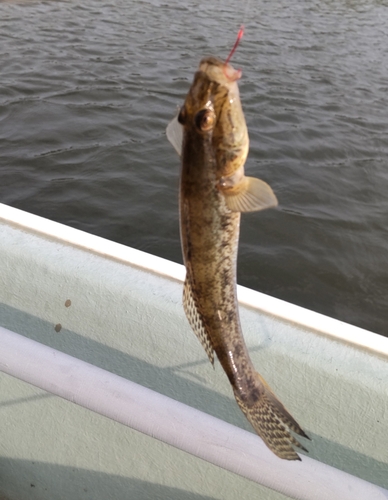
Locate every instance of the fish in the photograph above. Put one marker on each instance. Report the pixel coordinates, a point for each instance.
(211, 136)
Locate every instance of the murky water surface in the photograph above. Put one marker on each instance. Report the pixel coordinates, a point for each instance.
(88, 88)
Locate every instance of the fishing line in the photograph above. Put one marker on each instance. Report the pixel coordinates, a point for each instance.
(247, 4)
(239, 34)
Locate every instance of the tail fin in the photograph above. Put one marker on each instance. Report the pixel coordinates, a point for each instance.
(271, 420)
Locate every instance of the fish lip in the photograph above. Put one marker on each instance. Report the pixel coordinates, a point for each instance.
(219, 71)
(232, 74)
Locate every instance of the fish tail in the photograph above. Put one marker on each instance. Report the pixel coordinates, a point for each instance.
(270, 419)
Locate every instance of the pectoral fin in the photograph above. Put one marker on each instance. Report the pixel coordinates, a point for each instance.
(250, 195)
(195, 320)
(174, 132)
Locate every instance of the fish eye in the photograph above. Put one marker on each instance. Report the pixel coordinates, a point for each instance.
(182, 116)
(204, 120)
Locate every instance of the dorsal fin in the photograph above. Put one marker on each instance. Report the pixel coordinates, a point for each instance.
(195, 319)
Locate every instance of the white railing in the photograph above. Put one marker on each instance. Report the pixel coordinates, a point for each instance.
(177, 424)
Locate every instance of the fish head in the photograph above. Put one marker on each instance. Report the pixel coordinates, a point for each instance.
(212, 111)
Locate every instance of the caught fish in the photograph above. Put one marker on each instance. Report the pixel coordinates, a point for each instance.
(211, 136)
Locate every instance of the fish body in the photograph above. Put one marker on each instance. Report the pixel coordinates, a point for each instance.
(211, 134)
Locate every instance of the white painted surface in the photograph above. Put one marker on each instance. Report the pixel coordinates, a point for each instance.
(127, 318)
(269, 305)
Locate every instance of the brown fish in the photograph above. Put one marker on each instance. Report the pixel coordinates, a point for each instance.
(211, 135)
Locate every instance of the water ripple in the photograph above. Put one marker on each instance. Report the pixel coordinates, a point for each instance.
(88, 88)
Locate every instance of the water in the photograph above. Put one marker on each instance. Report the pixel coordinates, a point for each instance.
(88, 89)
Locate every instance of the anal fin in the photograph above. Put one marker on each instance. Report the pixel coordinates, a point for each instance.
(195, 320)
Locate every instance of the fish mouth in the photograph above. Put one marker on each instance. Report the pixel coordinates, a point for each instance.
(219, 71)
(231, 73)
